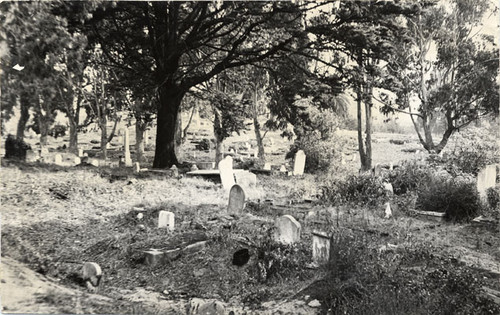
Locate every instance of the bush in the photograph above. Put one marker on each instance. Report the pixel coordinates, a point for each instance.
(363, 189)
(459, 200)
(493, 197)
(408, 177)
(58, 131)
(15, 148)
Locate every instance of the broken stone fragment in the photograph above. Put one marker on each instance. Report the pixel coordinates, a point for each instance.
(92, 273)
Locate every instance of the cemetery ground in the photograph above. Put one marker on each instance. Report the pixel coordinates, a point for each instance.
(55, 218)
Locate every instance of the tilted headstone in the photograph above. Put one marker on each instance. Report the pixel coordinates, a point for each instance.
(58, 159)
(91, 272)
(287, 230)
(226, 173)
(236, 199)
(486, 178)
(166, 219)
(321, 248)
(126, 147)
(299, 163)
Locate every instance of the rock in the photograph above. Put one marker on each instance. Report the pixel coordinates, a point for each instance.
(153, 257)
(206, 307)
(195, 247)
(314, 303)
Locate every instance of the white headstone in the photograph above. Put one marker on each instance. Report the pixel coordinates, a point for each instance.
(486, 178)
(77, 160)
(283, 169)
(267, 166)
(321, 248)
(391, 166)
(166, 219)
(80, 152)
(32, 156)
(299, 163)
(256, 152)
(388, 211)
(287, 230)
(137, 168)
(245, 178)
(236, 199)
(58, 159)
(226, 173)
(94, 162)
(126, 147)
(388, 187)
(44, 151)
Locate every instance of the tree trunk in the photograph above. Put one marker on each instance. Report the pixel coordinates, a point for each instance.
(43, 123)
(368, 129)
(103, 121)
(178, 133)
(362, 154)
(219, 155)
(25, 116)
(256, 128)
(168, 109)
(73, 114)
(140, 128)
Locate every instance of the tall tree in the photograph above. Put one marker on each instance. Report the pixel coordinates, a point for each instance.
(446, 69)
(178, 45)
(360, 48)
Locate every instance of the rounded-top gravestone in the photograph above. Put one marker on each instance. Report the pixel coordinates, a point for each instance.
(236, 199)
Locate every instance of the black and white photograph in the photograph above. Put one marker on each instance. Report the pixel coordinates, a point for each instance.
(250, 157)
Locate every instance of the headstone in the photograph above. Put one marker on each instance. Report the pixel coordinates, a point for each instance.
(94, 162)
(92, 273)
(388, 187)
(321, 248)
(77, 160)
(58, 159)
(388, 211)
(391, 167)
(194, 167)
(80, 152)
(137, 168)
(283, 169)
(287, 230)
(486, 178)
(255, 153)
(245, 178)
(153, 257)
(299, 163)
(32, 156)
(166, 219)
(236, 199)
(44, 151)
(175, 171)
(126, 147)
(377, 170)
(267, 166)
(226, 173)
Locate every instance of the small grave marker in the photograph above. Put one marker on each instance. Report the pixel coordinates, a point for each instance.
(486, 178)
(267, 166)
(58, 159)
(166, 219)
(287, 230)
(137, 168)
(299, 163)
(92, 273)
(388, 211)
(126, 147)
(80, 152)
(321, 248)
(236, 199)
(77, 160)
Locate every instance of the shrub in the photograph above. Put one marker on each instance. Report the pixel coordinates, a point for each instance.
(363, 189)
(459, 200)
(58, 131)
(15, 148)
(493, 197)
(408, 177)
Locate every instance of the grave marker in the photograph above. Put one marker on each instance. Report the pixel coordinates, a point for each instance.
(91, 272)
(77, 160)
(32, 156)
(58, 159)
(486, 178)
(299, 163)
(126, 147)
(267, 166)
(287, 230)
(137, 168)
(166, 219)
(226, 173)
(80, 152)
(245, 178)
(321, 248)
(236, 199)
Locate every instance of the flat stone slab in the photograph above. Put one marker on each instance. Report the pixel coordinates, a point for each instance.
(437, 216)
